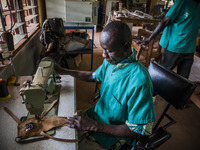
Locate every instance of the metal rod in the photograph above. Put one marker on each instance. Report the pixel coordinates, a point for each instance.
(163, 114)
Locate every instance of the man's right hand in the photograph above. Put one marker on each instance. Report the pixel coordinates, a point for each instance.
(142, 42)
(58, 67)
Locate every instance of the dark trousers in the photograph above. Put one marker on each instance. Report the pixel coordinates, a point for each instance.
(183, 61)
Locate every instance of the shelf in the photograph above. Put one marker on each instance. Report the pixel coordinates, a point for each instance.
(18, 37)
(31, 27)
(30, 17)
(17, 25)
(85, 51)
(8, 12)
(14, 11)
(29, 7)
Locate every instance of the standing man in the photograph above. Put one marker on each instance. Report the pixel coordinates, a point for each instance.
(125, 110)
(180, 25)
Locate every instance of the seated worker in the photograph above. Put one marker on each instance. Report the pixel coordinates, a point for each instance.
(125, 110)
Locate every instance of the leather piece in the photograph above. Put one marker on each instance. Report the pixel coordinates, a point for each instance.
(34, 127)
(46, 124)
(176, 90)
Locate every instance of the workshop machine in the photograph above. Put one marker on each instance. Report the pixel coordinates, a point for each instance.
(34, 93)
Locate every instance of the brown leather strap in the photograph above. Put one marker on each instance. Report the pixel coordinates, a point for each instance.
(52, 104)
(58, 139)
(12, 115)
(30, 140)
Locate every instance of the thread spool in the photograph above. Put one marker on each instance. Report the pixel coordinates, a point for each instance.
(120, 7)
(4, 95)
(8, 37)
(4, 49)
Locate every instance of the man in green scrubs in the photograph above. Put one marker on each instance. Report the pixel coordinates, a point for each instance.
(125, 110)
(180, 25)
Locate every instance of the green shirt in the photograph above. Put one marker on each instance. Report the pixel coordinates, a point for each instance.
(180, 35)
(126, 94)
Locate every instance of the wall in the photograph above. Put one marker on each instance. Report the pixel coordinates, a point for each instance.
(26, 60)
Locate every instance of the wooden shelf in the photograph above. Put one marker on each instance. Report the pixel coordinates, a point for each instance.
(12, 12)
(17, 25)
(30, 17)
(18, 37)
(29, 7)
(31, 27)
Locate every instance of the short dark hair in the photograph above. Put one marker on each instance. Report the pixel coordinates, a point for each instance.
(119, 29)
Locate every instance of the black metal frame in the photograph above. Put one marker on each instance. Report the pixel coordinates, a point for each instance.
(88, 51)
(164, 114)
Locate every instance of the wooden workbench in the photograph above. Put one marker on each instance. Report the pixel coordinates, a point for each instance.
(137, 20)
(8, 127)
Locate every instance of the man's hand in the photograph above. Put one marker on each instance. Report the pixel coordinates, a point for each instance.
(142, 42)
(82, 123)
(58, 67)
(87, 124)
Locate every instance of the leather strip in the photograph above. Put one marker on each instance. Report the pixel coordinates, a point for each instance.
(52, 104)
(58, 139)
(12, 115)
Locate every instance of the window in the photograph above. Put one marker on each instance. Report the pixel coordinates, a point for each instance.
(19, 17)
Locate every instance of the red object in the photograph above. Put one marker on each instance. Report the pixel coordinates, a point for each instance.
(69, 30)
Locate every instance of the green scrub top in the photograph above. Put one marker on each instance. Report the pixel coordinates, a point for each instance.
(181, 34)
(124, 95)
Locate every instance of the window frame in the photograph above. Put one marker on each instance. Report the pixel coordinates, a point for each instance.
(25, 16)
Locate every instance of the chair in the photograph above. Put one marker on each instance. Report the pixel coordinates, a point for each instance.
(176, 91)
(150, 52)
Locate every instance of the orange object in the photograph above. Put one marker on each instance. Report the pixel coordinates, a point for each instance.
(198, 41)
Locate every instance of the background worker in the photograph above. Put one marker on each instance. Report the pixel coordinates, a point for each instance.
(180, 25)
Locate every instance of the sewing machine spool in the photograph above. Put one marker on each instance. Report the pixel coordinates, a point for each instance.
(4, 94)
(4, 49)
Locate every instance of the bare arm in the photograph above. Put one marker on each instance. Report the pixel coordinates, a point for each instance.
(82, 75)
(165, 22)
(87, 124)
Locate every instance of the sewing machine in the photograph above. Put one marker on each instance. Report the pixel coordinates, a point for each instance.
(34, 93)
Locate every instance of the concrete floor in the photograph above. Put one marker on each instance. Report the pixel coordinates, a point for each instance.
(185, 133)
